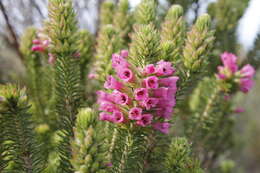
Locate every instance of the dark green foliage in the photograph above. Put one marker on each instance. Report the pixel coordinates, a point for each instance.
(179, 159)
(130, 151)
(18, 141)
(63, 35)
(34, 70)
(210, 124)
(86, 53)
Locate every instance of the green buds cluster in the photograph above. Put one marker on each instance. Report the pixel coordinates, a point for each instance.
(145, 46)
(88, 151)
(12, 96)
(145, 12)
(106, 13)
(173, 34)
(198, 45)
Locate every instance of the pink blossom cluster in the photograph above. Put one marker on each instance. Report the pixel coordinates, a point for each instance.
(142, 97)
(230, 72)
(41, 45)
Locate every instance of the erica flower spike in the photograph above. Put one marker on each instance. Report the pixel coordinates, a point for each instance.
(139, 97)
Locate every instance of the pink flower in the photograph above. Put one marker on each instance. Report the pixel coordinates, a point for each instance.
(165, 112)
(246, 84)
(103, 116)
(37, 48)
(151, 82)
(51, 59)
(45, 43)
(162, 127)
(92, 76)
(230, 61)
(247, 71)
(135, 113)
(239, 110)
(103, 96)
(112, 83)
(119, 62)
(161, 92)
(124, 53)
(36, 41)
(169, 82)
(149, 69)
(149, 103)
(141, 94)
(221, 73)
(121, 98)
(109, 164)
(145, 120)
(118, 117)
(166, 103)
(107, 106)
(164, 68)
(125, 74)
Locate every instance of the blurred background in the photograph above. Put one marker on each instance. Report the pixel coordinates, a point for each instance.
(237, 26)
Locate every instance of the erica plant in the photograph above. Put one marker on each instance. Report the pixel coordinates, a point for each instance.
(140, 97)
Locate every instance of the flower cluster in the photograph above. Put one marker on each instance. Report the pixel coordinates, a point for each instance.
(41, 44)
(142, 97)
(230, 72)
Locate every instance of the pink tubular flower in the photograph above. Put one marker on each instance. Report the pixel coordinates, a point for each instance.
(125, 74)
(230, 61)
(112, 83)
(103, 116)
(239, 110)
(135, 113)
(118, 117)
(151, 82)
(141, 94)
(246, 84)
(37, 48)
(169, 82)
(107, 106)
(164, 68)
(162, 127)
(120, 98)
(92, 76)
(103, 96)
(51, 59)
(119, 62)
(124, 53)
(149, 103)
(161, 92)
(145, 120)
(247, 71)
(36, 41)
(149, 69)
(165, 112)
